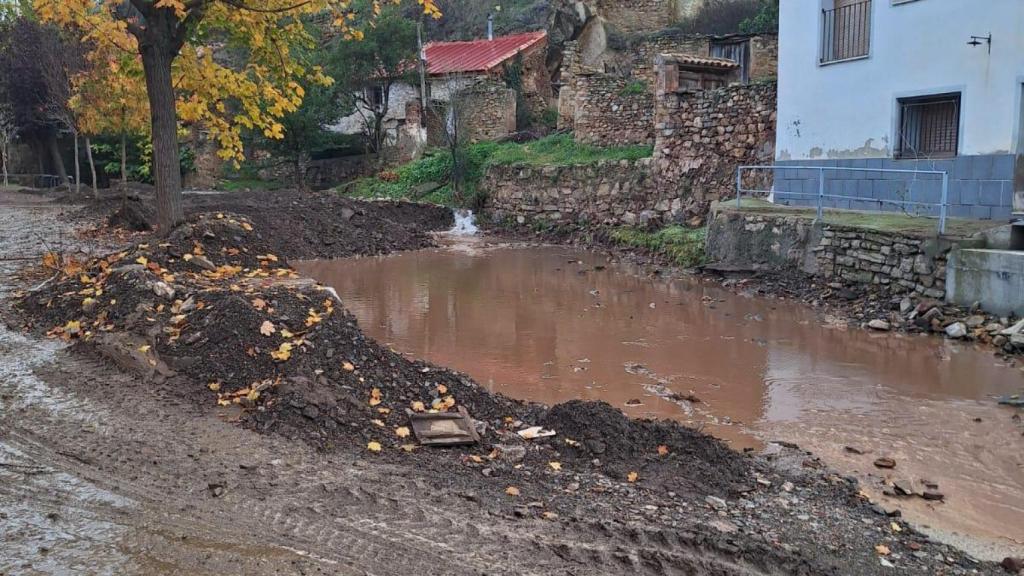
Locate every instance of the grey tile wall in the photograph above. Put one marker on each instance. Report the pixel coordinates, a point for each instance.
(979, 186)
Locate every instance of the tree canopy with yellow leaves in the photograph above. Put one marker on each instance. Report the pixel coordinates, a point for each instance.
(230, 65)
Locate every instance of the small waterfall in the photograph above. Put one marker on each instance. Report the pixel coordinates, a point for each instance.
(465, 223)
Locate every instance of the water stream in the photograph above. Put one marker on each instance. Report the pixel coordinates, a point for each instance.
(552, 324)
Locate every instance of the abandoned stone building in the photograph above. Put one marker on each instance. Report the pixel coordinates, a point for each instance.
(501, 80)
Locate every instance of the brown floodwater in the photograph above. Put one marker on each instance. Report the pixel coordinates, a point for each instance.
(551, 324)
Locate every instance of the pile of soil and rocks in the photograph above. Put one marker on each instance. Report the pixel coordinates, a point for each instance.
(214, 314)
(299, 225)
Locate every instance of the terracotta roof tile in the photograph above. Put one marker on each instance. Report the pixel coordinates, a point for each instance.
(477, 55)
(701, 61)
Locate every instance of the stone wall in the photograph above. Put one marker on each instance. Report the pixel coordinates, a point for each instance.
(606, 193)
(702, 137)
(487, 108)
(905, 264)
(612, 111)
(322, 174)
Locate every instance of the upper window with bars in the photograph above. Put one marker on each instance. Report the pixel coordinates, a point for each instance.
(845, 30)
(929, 126)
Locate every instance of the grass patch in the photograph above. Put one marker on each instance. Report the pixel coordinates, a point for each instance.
(892, 222)
(683, 246)
(234, 185)
(634, 88)
(416, 180)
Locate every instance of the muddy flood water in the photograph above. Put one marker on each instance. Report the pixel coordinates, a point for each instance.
(552, 324)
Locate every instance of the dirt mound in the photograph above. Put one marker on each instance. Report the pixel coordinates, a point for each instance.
(301, 225)
(655, 450)
(133, 216)
(212, 303)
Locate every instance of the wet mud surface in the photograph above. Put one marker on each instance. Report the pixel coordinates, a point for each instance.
(144, 472)
(551, 324)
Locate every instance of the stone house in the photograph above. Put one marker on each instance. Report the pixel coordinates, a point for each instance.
(495, 76)
(908, 85)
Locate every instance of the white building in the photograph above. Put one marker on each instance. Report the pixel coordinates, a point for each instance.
(918, 84)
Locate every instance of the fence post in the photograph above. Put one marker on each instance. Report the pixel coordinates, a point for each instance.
(739, 184)
(821, 194)
(945, 200)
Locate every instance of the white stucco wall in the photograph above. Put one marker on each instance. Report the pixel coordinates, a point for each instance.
(400, 94)
(849, 109)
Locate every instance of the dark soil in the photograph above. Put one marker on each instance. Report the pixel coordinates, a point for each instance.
(301, 225)
(190, 312)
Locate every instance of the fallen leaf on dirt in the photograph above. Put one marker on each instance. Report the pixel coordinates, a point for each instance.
(286, 333)
(882, 550)
(313, 318)
(373, 446)
(347, 366)
(476, 459)
(556, 466)
(215, 386)
(571, 442)
(442, 389)
(51, 260)
(494, 454)
(895, 527)
(73, 327)
(512, 491)
(283, 352)
(377, 423)
(383, 410)
(549, 515)
(408, 447)
(259, 303)
(144, 348)
(632, 476)
(662, 450)
(267, 328)
(142, 260)
(247, 227)
(402, 432)
(375, 397)
(418, 406)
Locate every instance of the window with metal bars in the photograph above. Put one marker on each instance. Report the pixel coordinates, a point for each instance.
(929, 126)
(845, 30)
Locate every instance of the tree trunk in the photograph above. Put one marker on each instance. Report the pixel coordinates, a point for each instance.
(58, 160)
(124, 170)
(92, 166)
(78, 167)
(156, 61)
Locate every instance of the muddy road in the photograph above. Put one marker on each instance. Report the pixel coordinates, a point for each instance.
(102, 471)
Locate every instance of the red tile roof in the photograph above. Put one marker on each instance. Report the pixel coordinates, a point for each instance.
(477, 55)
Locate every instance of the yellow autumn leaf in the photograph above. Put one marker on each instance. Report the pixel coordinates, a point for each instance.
(375, 397)
(286, 333)
(418, 406)
(142, 260)
(895, 527)
(442, 389)
(87, 302)
(408, 447)
(283, 352)
(73, 327)
(247, 226)
(882, 550)
(402, 432)
(144, 348)
(267, 328)
(377, 423)
(632, 477)
(373, 447)
(512, 491)
(215, 386)
(476, 458)
(556, 466)
(662, 450)
(347, 366)
(258, 303)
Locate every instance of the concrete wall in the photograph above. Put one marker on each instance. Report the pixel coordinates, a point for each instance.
(849, 109)
(904, 264)
(995, 278)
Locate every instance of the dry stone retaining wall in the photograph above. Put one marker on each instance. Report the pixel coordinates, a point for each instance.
(902, 263)
(606, 193)
(613, 111)
(702, 137)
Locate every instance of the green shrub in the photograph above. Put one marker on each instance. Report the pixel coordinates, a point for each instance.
(682, 246)
(634, 88)
(407, 180)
